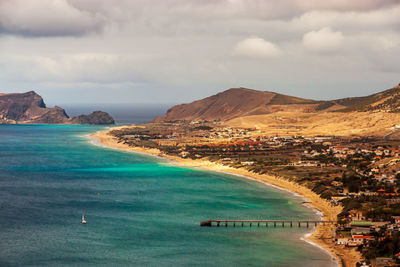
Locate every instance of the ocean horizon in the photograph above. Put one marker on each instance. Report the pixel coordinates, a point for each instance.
(140, 210)
(135, 113)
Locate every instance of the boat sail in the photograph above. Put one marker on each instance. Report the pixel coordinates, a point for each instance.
(83, 219)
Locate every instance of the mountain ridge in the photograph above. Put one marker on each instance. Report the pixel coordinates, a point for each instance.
(240, 102)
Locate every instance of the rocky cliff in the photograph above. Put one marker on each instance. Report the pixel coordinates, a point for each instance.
(29, 108)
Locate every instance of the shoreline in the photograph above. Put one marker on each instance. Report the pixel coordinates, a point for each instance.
(320, 237)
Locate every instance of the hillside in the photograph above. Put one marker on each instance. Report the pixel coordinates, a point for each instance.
(387, 101)
(237, 102)
(322, 123)
(274, 113)
(241, 102)
(29, 107)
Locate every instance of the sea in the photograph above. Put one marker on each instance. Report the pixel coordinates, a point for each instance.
(140, 210)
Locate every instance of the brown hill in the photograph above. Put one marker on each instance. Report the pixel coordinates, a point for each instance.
(237, 102)
(386, 101)
(23, 108)
(241, 102)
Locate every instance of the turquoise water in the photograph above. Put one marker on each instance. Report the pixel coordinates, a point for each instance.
(140, 210)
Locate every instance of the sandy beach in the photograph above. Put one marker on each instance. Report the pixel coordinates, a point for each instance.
(320, 237)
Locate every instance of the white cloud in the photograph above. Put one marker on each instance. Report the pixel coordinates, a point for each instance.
(323, 40)
(351, 20)
(46, 18)
(256, 48)
(92, 68)
(343, 5)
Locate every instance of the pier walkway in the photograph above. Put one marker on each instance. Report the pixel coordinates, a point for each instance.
(265, 223)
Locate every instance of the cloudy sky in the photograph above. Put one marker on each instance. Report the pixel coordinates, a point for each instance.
(157, 51)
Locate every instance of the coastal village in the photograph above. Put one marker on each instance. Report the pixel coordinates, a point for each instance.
(360, 174)
(210, 133)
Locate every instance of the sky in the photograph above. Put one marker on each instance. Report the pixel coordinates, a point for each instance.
(176, 51)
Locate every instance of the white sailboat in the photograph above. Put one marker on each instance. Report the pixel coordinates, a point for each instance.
(83, 219)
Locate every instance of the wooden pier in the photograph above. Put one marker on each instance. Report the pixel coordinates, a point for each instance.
(264, 223)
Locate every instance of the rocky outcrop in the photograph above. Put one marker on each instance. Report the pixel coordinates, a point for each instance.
(29, 108)
(96, 117)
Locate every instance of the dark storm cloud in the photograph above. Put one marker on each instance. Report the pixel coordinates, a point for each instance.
(192, 48)
(44, 18)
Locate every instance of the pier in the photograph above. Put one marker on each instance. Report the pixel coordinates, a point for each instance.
(263, 223)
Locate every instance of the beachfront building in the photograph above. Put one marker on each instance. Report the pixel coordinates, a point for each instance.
(343, 241)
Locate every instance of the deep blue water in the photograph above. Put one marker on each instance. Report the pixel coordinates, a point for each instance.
(122, 113)
(140, 210)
